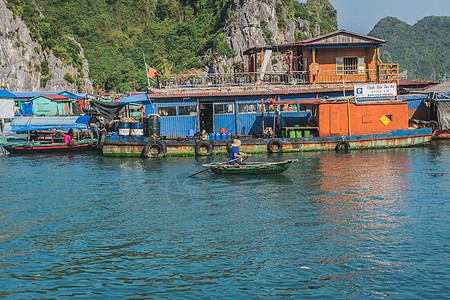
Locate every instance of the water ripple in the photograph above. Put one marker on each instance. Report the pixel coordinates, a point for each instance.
(360, 224)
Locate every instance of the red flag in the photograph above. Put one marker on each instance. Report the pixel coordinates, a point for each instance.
(152, 73)
(100, 93)
(87, 90)
(97, 86)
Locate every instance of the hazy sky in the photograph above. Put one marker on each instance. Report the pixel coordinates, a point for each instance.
(360, 16)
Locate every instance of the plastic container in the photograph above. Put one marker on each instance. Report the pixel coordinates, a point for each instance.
(154, 125)
(292, 134)
(298, 133)
(307, 133)
(136, 129)
(224, 136)
(223, 130)
(191, 132)
(228, 136)
(212, 136)
(218, 136)
(124, 128)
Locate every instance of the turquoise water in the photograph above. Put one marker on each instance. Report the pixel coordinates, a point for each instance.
(363, 224)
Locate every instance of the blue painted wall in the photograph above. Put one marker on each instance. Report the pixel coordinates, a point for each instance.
(246, 123)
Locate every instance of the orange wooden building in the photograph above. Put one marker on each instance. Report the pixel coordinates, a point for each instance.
(337, 57)
(342, 118)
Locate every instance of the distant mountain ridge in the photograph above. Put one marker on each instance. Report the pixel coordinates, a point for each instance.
(422, 49)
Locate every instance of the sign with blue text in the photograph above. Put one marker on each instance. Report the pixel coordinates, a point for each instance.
(375, 90)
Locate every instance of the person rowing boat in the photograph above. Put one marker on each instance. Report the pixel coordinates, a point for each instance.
(236, 155)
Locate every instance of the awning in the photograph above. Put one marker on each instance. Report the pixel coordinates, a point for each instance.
(134, 98)
(46, 123)
(83, 119)
(108, 110)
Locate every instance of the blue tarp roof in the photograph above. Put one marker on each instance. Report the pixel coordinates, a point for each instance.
(83, 119)
(46, 123)
(6, 94)
(30, 95)
(135, 98)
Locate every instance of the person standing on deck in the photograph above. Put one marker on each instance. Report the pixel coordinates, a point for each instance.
(236, 154)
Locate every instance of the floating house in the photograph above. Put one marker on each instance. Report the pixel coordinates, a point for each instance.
(49, 103)
(6, 105)
(290, 99)
(327, 66)
(340, 56)
(52, 105)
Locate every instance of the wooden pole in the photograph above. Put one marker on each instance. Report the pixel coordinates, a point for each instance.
(236, 116)
(262, 114)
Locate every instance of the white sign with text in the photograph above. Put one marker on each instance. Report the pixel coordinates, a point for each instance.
(375, 90)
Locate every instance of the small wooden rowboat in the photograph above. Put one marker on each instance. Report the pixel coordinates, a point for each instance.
(251, 167)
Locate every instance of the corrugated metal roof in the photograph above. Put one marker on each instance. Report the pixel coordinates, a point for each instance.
(57, 97)
(30, 95)
(6, 94)
(440, 88)
(326, 39)
(330, 38)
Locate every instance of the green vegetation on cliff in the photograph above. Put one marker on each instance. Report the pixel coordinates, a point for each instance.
(422, 49)
(174, 35)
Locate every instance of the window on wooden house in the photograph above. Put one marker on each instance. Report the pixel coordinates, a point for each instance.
(350, 65)
(187, 110)
(244, 108)
(221, 109)
(169, 111)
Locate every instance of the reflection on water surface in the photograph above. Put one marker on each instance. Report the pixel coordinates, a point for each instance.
(364, 224)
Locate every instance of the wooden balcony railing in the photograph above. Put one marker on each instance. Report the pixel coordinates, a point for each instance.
(274, 78)
(389, 73)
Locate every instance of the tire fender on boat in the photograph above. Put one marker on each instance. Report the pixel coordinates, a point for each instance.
(208, 146)
(433, 125)
(275, 146)
(154, 144)
(101, 139)
(342, 145)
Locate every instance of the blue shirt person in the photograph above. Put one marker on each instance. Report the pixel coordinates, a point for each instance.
(235, 154)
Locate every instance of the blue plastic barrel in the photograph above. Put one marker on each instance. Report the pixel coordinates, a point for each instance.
(137, 129)
(212, 136)
(191, 132)
(218, 136)
(224, 136)
(228, 135)
(124, 128)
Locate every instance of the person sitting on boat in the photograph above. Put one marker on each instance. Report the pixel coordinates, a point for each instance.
(68, 136)
(204, 135)
(236, 155)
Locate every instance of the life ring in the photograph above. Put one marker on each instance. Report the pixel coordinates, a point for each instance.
(101, 139)
(204, 148)
(154, 147)
(342, 145)
(275, 146)
(229, 146)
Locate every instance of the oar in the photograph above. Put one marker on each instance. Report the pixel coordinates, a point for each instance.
(198, 173)
(208, 169)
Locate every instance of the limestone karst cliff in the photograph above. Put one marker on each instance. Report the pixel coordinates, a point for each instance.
(24, 66)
